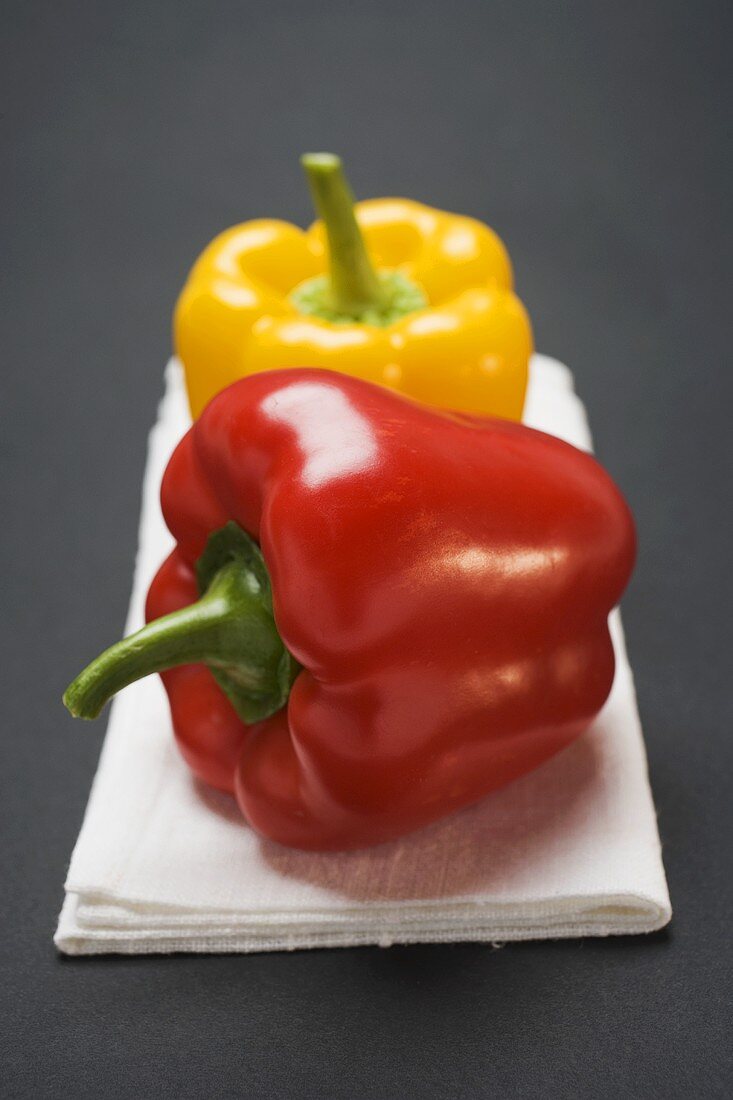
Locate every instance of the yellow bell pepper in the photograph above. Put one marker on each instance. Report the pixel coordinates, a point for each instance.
(435, 317)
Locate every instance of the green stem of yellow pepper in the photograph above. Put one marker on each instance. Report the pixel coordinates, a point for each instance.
(353, 290)
(353, 282)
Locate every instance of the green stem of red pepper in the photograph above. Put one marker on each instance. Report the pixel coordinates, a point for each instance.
(231, 629)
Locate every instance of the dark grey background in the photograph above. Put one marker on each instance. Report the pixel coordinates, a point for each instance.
(593, 136)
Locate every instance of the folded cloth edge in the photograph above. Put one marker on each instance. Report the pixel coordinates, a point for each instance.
(72, 938)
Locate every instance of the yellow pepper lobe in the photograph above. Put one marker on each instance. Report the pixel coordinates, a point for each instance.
(388, 290)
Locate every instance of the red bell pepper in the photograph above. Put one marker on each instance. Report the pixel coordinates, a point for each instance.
(401, 609)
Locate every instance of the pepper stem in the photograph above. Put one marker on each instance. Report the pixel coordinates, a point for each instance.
(231, 629)
(354, 285)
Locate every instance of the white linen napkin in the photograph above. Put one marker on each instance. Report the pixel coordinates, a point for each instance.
(163, 864)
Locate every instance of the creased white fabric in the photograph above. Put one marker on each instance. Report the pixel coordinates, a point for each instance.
(163, 864)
